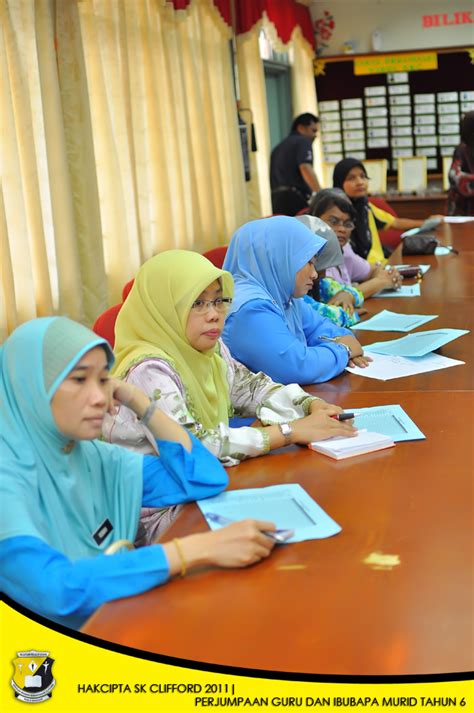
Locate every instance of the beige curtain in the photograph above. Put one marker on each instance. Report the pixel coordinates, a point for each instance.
(253, 96)
(119, 139)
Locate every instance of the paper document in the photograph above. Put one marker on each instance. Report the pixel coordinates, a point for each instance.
(348, 447)
(418, 344)
(288, 506)
(458, 218)
(386, 367)
(404, 291)
(386, 321)
(391, 421)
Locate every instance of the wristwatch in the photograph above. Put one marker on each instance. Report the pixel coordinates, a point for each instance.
(286, 431)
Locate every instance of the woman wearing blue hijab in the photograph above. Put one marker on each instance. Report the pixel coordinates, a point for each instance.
(69, 500)
(273, 262)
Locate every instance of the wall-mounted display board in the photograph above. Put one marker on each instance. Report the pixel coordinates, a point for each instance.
(395, 114)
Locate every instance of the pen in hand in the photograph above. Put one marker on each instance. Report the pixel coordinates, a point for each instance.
(345, 416)
(279, 536)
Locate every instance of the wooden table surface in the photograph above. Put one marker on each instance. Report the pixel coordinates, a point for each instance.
(319, 606)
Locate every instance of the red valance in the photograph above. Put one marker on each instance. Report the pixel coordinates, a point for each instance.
(284, 14)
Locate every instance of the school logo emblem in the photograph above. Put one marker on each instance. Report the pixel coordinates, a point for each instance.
(33, 680)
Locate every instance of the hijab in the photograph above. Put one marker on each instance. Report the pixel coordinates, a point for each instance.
(152, 325)
(361, 239)
(264, 257)
(52, 488)
(331, 254)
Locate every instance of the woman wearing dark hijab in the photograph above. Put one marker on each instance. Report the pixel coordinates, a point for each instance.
(461, 173)
(351, 176)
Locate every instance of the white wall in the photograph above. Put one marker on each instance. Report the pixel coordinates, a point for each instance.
(399, 21)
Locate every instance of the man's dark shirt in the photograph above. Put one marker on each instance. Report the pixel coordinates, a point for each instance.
(285, 162)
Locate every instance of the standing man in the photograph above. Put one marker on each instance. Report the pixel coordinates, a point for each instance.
(292, 175)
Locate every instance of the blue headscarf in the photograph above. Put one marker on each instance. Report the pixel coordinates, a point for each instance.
(264, 257)
(47, 490)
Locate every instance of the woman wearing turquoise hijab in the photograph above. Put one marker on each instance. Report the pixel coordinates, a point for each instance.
(269, 328)
(69, 500)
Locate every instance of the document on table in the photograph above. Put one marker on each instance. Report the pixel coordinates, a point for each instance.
(288, 506)
(403, 291)
(386, 321)
(385, 367)
(391, 421)
(458, 218)
(417, 345)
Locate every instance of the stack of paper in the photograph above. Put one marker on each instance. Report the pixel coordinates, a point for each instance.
(385, 367)
(390, 420)
(364, 442)
(403, 291)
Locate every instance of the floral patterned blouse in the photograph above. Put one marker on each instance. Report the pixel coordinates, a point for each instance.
(251, 395)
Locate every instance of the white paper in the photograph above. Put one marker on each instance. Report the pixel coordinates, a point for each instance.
(449, 119)
(356, 145)
(376, 111)
(401, 99)
(458, 219)
(385, 368)
(374, 122)
(425, 130)
(377, 143)
(330, 116)
(467, 106)
(333, 157)
(447, 96)
(375, 91)
(427, 151)
(401, 153)
(449, 128)
(403, 291)
(357, 154)
(375, 101)
(377, 133)
(399, 89)
(401, 130)
(353, 124)
(354, 135)
(330, 136)
(425, 109)
(400, 110)
(466, 96)
(329, 105)
(447, 150)
(397, 77)
(432, 164)
(399, 143)
(424, 98)
(425, 119)
(448, 109)
(331, 126)
(352, 113)
(400, 120)
(351, 103)
(450, 139)
(426, 140)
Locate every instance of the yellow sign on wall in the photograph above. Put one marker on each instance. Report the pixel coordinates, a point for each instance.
(385, 63)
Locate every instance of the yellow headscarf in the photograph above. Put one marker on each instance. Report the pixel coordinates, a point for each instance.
(152, 324)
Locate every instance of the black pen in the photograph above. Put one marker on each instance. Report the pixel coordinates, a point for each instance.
(344, 416)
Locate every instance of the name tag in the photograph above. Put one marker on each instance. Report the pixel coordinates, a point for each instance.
(102, 531)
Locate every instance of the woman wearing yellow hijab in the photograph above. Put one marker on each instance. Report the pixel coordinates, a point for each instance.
(167, 343)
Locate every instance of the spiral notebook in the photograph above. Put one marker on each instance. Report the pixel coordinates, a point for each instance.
(364, 442)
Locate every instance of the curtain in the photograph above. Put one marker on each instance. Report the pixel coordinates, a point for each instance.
(119, 139)
(253, 95)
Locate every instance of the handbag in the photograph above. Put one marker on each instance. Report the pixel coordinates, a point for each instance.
(419, 245)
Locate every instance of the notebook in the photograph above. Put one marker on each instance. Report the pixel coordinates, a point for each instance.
(364, 442)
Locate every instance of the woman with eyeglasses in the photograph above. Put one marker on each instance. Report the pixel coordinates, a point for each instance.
(270, 328)
(167, 343)
(334, 207)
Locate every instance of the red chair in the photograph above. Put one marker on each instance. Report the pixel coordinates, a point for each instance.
(216, 255)
(390, 238)
(104, 325)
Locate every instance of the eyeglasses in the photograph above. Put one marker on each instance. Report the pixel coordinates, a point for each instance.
(334, 222)
(220, 304)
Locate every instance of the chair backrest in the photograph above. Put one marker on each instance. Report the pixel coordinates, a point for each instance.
(382, 204)
(216, 255)
(104, 325)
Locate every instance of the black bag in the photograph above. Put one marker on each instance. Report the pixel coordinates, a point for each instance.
(419, 245)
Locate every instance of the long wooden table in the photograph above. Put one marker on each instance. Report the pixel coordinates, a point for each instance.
(339, 605)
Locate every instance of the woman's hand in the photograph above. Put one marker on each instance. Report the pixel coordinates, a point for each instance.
(238, 545)
(361, 361)
(345, 300)
(388, 279)
(321, 406)
(124, 394)
(319, 426)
